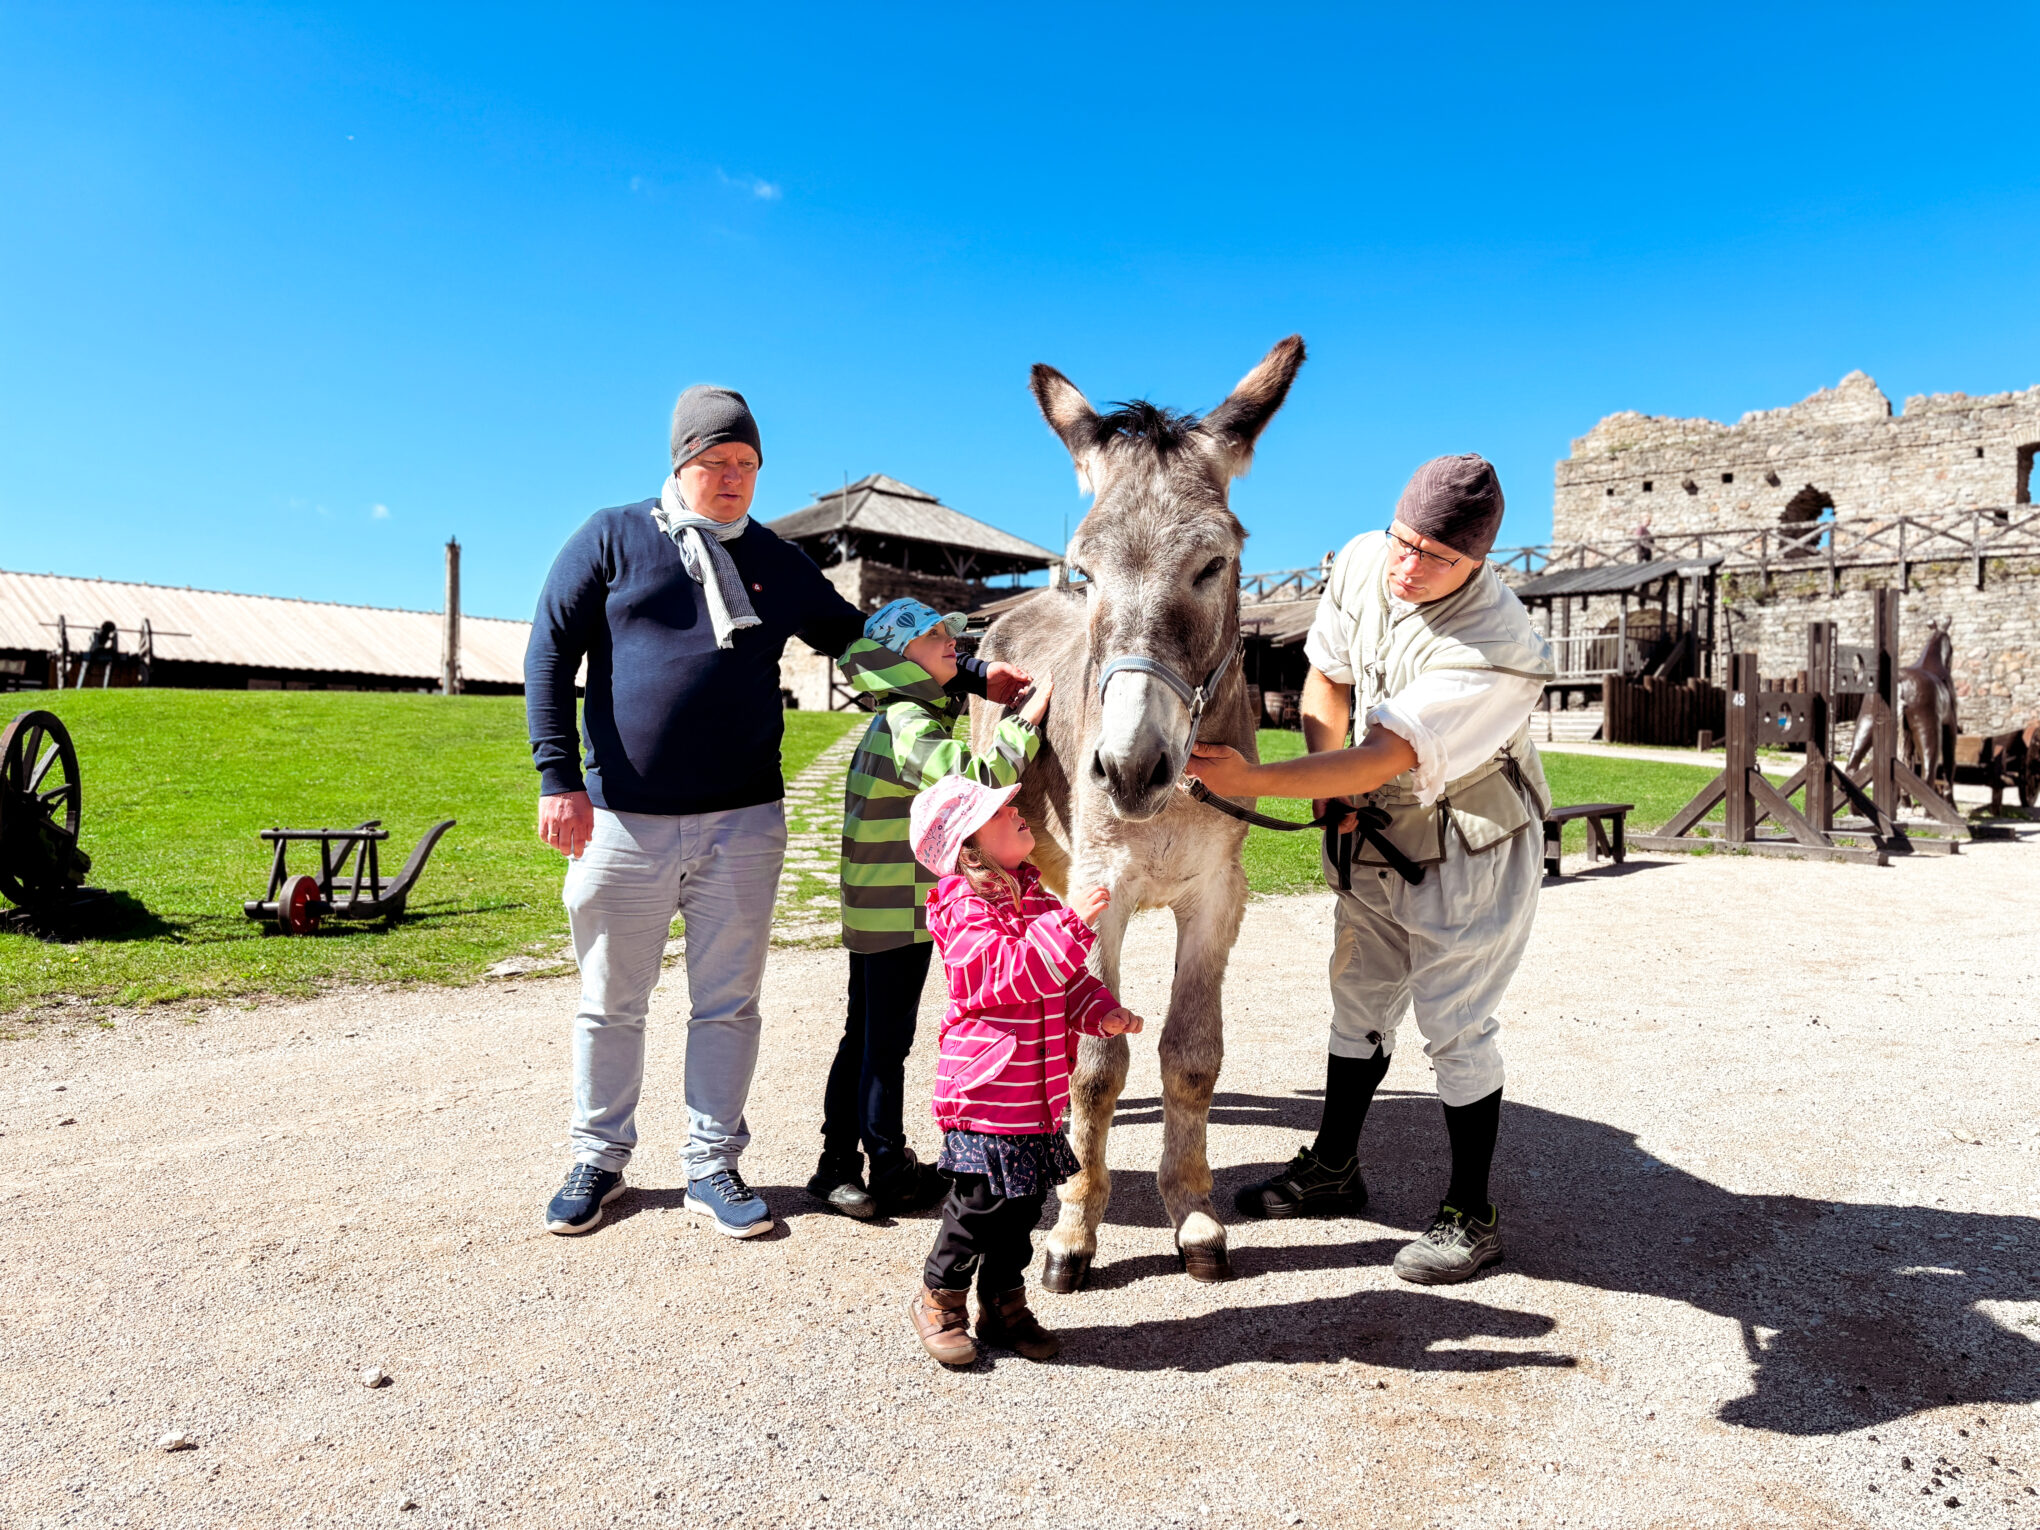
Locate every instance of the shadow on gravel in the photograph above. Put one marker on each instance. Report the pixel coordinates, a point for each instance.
(673, 1198)
(1852, 1314)
(1392, 1328)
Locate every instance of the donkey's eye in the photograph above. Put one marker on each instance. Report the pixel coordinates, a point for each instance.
(1210, 570)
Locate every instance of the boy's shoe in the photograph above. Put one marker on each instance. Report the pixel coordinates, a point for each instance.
(942, 1324)
(578, 1206)
(838, 1183)
(734, 1207)
(1006, 1322)
(1453, 1248)
(1305, 1188)
(907, 1184)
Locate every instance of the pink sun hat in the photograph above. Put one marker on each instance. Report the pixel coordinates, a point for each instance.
(947, 814)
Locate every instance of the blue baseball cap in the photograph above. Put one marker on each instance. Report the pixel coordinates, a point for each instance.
(898, 622)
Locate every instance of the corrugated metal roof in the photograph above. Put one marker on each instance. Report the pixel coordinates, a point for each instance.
(886, 507)
(1609, 578)
(213, 626)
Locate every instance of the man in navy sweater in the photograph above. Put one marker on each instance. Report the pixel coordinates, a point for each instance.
(681, 606)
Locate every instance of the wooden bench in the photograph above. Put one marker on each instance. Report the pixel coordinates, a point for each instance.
(1604, 831)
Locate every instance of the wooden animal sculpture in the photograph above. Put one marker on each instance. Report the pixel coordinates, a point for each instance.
(1143, 645)
(1926, 709)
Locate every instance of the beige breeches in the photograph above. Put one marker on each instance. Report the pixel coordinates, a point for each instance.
(1446, 947)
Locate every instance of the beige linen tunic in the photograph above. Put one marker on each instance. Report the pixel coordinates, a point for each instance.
(1457, 678)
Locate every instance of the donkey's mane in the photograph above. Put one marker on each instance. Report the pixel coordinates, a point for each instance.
(1161, 430)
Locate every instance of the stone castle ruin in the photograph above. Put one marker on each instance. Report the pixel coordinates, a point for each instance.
(1797, 513)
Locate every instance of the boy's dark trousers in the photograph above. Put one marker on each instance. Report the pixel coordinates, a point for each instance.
(868, 1080)
(982, 1234)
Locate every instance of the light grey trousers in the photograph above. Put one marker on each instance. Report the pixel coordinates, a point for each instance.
(1445, 948)
(720, 871)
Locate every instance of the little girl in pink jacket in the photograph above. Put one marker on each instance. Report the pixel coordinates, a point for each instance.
(1019, 996)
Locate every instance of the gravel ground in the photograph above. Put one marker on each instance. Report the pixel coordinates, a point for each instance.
(1768, 1173)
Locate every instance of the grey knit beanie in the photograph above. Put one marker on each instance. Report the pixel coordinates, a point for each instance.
(710, 416)
(1454, 500)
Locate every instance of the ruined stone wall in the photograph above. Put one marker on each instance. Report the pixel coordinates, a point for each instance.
(1841, 448)
(1996, 629)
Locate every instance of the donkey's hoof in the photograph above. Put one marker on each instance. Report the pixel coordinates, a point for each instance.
(1204, 1261)
(1065, 1274)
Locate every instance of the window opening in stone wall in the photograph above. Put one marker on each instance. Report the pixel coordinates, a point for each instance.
(1728, 478)
(1807, 509)
(1646, 486)
(1979, 451)
(1611, 493)
(2022, 494)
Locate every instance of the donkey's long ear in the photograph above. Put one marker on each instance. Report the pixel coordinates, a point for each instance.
(1070, 416)
(1238, 422)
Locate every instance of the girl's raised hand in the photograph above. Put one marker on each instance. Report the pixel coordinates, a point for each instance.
(1089, 905)
(1120, 1021)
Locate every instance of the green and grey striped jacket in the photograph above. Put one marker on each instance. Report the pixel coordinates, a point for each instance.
(909, 746)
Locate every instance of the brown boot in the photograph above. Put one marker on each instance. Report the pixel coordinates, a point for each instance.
(1006, 1321)
(943, 1325)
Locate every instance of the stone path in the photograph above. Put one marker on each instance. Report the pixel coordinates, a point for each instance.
(814, 835)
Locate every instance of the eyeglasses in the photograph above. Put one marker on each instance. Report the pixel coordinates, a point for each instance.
(713, 465)
(1424, 559)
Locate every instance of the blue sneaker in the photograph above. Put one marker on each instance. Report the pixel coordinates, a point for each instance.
(735, 1207)
(578, 1206)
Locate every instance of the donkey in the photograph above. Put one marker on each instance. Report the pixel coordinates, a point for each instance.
(1145, 641)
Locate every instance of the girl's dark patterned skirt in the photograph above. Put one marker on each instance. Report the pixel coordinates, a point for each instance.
(1028, 1164)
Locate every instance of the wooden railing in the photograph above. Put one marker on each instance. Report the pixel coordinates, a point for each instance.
(1972, 536)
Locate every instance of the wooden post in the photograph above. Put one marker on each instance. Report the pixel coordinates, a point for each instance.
(449, 653)
(1820, 671)
(1884, 747)
(1738, 824)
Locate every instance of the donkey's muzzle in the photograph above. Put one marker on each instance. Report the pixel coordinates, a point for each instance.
(1137, 781)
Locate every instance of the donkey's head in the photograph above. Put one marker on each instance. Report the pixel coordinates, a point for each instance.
(1159, 557)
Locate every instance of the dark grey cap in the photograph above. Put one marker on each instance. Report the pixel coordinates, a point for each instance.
(1454, 500)
(710, 416)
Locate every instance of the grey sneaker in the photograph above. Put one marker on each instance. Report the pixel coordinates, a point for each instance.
(733, 1206)
(1453, 1248)
(578, 1207)
(1305, 1188)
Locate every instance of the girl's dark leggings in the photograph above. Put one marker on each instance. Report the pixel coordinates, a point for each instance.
(986, 1235)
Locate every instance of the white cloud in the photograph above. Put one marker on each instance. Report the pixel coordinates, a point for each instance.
(380, 513)
(762, 189)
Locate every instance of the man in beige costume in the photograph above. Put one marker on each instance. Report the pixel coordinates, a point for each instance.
(1445, 668)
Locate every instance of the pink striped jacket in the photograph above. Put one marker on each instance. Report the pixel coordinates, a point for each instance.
(1019, 994)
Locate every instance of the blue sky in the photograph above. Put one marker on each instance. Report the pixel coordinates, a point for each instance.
(290, 294)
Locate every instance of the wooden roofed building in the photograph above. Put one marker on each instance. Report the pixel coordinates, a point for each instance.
(879, 539)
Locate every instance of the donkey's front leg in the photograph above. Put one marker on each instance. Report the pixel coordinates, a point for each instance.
(1095, 1083)
(1192, 1047)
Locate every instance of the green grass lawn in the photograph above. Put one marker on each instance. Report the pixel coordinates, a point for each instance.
(177, 785)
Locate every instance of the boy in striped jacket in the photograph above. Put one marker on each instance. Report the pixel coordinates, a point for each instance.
(907, 662)
(1019, 996)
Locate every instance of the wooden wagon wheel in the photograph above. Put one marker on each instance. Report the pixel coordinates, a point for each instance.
(294, 912)
(39, 803)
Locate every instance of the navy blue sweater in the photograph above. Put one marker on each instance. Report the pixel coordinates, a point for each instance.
(673, 723)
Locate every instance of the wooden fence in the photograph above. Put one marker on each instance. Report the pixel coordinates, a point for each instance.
(1654, 711)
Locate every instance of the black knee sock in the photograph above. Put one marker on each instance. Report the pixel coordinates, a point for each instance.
(1472, 1129)
(1350, 1083)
